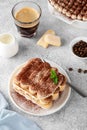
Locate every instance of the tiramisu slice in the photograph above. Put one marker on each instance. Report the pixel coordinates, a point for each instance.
(39, 82)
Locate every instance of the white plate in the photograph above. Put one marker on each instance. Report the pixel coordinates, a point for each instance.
(76, 23)
(30, 108)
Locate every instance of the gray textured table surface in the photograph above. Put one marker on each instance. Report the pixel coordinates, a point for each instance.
(74, 115)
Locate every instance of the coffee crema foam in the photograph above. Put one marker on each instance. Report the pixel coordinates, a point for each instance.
(27, 15)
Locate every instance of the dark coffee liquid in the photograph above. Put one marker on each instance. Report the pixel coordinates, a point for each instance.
(28, 24)
(27, 32)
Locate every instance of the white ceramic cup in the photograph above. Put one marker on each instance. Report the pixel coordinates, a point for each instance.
(8, 45)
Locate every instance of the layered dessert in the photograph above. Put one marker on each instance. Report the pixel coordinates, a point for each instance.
(74, 9)
(40, 83)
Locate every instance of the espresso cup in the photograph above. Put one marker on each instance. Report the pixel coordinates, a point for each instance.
(26, 16)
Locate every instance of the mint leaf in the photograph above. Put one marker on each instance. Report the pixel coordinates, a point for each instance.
(54, 76)
(53, 72)
(55, 80)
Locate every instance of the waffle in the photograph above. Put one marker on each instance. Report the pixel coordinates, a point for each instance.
(34, 83)
(74, 9)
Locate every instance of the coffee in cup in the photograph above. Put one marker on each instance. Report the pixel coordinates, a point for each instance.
(27, 17)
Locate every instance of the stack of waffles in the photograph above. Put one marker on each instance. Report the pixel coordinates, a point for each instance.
(33, 82)
(74, 9)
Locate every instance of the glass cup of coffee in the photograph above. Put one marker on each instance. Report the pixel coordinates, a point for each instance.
(26, 15)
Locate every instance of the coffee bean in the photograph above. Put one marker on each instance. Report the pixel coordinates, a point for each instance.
(85, 71)
(70, 69)
(79, 70)
(80, 49)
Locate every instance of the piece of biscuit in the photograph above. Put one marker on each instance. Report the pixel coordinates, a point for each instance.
(42, 42)
(52, 40)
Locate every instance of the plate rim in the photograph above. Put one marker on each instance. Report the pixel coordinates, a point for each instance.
(33, 114)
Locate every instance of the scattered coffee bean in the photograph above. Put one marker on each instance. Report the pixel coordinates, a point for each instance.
(80, 49)
(85, 71)
(70, 69)
(79, 70)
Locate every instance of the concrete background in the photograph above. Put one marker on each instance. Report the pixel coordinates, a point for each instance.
(74, 115)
